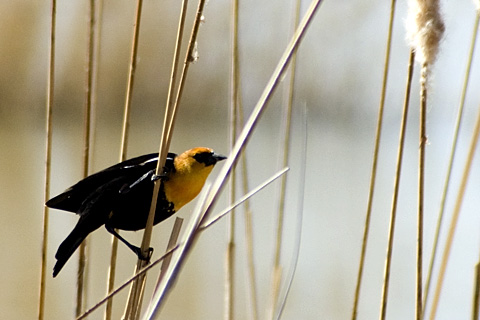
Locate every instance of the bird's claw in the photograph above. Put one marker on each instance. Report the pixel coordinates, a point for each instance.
(142, 257)
(163, 175)
(156, 177)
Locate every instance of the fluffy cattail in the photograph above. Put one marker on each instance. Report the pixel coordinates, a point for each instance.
(425, 29)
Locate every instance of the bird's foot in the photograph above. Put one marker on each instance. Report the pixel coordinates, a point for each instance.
(163, 175)
(143, 257)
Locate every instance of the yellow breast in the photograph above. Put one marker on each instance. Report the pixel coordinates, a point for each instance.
(186, 182)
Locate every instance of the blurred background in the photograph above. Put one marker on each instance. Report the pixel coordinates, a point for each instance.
(340, 67)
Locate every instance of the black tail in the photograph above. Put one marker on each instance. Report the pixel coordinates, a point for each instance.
(67, 248)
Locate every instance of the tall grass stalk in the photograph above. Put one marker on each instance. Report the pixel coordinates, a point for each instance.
(284, 150)
(243, 199)
(455, 216)
(393, 213)
(373, 173)
(172, 242)
(82, 260)
(282, 297)
(476, 294)
(234, 92)
(421, 190)
(48, 157)
(453, 152)
(250, 263)
(126, 115)
(250, 259)
(425, 29)
(123, 148)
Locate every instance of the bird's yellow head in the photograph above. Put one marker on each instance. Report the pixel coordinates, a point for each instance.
(191, 171)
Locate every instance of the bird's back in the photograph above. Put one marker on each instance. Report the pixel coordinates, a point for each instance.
(127, 171)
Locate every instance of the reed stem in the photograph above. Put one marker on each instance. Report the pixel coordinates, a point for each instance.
(373, 174)
(393, 213)
(48, 158)
(446, 186)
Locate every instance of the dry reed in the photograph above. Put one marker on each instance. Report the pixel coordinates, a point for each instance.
(373, 173)
(393, 213)
(453, 151)
(48, 157)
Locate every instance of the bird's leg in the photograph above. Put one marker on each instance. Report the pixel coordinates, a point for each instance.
(135, 249)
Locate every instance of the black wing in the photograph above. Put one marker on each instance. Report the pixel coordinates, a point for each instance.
(131, 170)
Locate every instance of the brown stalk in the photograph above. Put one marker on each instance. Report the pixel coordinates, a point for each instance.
(234, 92)
(126, 116)
(455, 216)
(476, 294)
(373, 173)
(285, 133)
(171, 244)
(124, 143)
(282, 297)
(248, 195)
(393, 213)
(421, 188)
(249, 237)
(82, 265)
(450, 164)
(48, 157)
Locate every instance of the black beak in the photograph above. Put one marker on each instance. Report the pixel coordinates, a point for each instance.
(218, 157)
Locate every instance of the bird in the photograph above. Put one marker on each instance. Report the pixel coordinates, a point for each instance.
(119, 197)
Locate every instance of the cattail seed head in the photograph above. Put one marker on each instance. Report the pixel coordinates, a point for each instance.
(425, 29)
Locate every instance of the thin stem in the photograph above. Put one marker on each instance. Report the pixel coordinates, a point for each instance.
(82, 264)
(421, 188)
(249, 235)
(234, 91)
(48, 157)
(476, 294)
(285, 147)
(136, 290)
(373, 174)
(455, 216)
(450, 164)
(243, 199)
(281, 301)
(131, 78)
(393, 214)
(111, 276)
(189, 58)
(177, 226)
(126, 116)
(248, 213)
(173, 79)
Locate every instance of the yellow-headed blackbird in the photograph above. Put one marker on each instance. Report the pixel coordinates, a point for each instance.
(119, 197)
